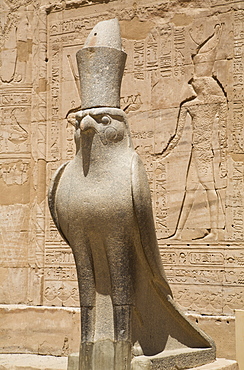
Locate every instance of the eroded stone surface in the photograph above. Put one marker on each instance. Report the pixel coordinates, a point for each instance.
(159, 38)
(39, 330)
(239, 316)
(32, 362)
(221, 329)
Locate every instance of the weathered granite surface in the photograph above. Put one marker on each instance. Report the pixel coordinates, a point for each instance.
(101, 205)
(218, 364)
(39, 330)
(33, 362)
(39, 89)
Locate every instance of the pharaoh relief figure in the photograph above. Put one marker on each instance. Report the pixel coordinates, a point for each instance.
(100, 202)
(208, 113)
(15, 43)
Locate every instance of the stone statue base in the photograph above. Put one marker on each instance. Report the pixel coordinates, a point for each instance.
(184, 358)
(170, 360)
(174, 359)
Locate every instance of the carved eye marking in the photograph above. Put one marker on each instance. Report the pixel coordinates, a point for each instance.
(106, 120)
(111, 134)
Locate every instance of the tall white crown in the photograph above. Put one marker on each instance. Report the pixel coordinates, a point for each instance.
(101, 65)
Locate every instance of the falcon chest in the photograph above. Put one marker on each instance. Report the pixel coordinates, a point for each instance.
(101, 197)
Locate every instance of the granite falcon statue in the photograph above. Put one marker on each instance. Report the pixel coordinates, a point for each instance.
(100, 202)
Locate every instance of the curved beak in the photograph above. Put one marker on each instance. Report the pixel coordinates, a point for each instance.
(88, 123)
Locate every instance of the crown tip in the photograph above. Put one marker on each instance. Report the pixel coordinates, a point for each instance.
(105, 34)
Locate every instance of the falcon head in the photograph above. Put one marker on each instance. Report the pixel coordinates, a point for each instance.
(110, 124)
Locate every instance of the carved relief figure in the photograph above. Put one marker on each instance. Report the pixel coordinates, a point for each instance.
(208, 113)
(100, 202)
(14, 134)
(15, 43)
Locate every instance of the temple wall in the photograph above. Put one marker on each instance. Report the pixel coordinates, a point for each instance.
(183, 91)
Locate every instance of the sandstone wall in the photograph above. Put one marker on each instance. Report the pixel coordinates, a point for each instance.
(183, 90)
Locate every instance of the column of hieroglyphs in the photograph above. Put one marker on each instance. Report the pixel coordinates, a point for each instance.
(15, 151)
(177, 61)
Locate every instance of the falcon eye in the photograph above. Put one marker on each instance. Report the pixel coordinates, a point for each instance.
(106, 120)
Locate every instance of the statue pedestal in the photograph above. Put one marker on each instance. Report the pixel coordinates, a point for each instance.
(169, 361)
(184, 358)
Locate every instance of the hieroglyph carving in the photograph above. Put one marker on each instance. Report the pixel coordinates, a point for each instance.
(39, 96)
(16, 43)
(155, 89)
